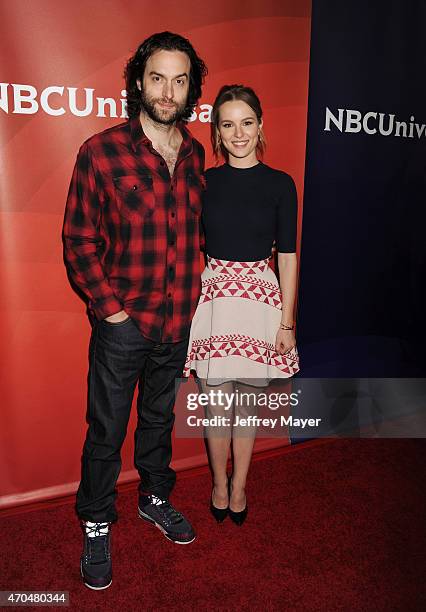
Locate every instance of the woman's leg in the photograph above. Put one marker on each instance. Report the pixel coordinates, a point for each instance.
(243, 437)
(218, 442)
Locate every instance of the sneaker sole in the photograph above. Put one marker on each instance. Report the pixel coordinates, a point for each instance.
(147, 518)
(94, 588)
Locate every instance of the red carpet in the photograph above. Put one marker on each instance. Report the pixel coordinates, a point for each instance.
(335, 526)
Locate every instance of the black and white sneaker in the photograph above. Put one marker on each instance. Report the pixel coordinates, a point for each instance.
(161, 513)
(95, 564)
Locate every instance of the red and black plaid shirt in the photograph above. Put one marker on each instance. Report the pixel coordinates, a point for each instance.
(132, 233)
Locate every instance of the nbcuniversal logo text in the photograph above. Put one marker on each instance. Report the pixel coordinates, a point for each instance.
(57, 100)
(354, 121)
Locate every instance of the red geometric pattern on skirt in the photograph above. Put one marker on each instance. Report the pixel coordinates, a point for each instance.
(236, 267)
(229, 345)
(227, 286)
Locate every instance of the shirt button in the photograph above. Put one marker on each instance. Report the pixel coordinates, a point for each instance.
(169, 295)
(171, 187)
(172, 243)
(135, 187)
(173, 214)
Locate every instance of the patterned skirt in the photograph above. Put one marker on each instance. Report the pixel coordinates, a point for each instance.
(235, 325)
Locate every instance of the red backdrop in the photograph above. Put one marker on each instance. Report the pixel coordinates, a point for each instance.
(44, 329)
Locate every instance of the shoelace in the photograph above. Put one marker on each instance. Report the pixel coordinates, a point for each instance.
(97, 550)
(171, 515)
(94, 530)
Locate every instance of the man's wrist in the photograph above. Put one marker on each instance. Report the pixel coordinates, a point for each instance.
(117, 317)
(106, 307)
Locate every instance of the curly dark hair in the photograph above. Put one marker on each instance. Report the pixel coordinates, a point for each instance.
(135, 69)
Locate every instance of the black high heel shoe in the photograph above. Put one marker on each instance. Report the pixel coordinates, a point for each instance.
(219, 514)
(236, 517)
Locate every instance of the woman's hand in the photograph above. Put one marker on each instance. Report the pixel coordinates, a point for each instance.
(285, 341)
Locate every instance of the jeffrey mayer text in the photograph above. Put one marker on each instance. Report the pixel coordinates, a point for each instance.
(251, 421)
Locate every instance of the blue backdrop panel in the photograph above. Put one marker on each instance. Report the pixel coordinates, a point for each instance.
(362, 299)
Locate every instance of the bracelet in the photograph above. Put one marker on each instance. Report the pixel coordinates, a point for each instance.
(286, 327)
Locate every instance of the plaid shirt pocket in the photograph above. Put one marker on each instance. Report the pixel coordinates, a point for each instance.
(196, 185)
(134, 196)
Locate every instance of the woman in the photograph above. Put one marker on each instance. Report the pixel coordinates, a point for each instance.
(242, 334)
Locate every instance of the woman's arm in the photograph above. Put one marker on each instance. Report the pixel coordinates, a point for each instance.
(287, 266)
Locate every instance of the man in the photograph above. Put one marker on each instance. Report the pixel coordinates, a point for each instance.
(131, 244)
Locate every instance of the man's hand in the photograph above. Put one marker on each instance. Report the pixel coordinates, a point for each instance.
(118, 317)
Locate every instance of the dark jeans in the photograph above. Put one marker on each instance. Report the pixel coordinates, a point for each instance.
(119, 359)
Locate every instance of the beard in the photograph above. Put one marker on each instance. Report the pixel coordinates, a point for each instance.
(163, 116)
